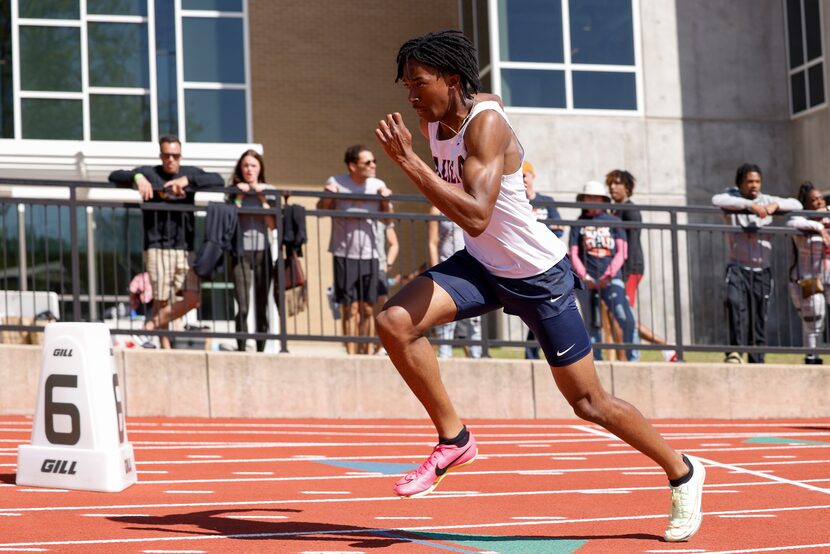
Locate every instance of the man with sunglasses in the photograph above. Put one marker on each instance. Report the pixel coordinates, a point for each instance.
(168, 235)
(353, 243)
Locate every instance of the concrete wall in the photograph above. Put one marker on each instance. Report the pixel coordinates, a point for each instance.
(199, 384)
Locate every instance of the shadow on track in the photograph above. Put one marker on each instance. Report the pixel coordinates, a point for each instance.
(218, 523)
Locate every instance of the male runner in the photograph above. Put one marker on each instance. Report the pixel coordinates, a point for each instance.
(510, 260)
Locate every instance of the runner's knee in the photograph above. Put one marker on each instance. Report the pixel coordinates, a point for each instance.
(394, 322)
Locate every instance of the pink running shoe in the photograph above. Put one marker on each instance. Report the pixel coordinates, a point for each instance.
(444, 458)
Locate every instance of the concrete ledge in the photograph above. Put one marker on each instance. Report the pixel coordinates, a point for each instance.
(218, 384)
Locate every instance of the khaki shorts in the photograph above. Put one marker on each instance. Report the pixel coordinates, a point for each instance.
(170, 272)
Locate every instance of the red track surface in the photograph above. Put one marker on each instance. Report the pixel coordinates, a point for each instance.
(538, 486)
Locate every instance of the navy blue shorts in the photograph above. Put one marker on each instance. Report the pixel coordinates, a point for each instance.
(544, 302)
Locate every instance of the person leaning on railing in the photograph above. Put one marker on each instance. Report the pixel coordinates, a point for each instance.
(254, 266)
(810, 272)
(748, 274)
(168, 235)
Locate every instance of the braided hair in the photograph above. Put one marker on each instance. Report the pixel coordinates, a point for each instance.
(447, 51)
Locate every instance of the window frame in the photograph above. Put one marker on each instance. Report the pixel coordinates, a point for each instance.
(84, 95)
(805, 65)
(567, 66)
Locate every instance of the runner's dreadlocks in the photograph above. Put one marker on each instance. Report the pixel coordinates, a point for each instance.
(448, 51)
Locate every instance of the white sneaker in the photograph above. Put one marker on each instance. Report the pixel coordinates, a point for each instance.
(686, 508)
(669, 355)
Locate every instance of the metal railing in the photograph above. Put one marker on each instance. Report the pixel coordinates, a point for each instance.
(84, 251)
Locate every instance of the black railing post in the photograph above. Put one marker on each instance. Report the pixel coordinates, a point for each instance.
(76, 256)
(678, 310)
(280, 271)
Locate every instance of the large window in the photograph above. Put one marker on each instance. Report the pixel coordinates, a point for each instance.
(575, 55)
(124, 70)
(805, 55)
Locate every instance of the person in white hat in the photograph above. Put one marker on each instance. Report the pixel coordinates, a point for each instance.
(597, 253)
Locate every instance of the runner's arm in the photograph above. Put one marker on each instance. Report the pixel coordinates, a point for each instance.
(487, 138)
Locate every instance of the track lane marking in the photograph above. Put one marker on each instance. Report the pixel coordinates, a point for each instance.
(352, 530)
(764, 475)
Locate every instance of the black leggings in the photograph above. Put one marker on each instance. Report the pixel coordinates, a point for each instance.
(253, 265)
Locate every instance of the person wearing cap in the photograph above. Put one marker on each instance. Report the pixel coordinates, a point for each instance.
(597, 254)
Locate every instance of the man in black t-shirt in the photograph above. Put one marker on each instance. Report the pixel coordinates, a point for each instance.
(168, 235)
(620, 185)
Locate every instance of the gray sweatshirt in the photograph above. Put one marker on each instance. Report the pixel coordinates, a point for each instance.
(750, 249)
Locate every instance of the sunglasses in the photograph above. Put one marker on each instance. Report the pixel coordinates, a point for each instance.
(369, 162)
(170, 155)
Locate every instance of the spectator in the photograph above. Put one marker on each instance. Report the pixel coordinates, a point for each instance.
(542, 212)
(254, 266)
(388, 249)
(543, 205)
(597, 255)
(168, 235)
(810, 272)
(748, 275)
(353, 243)
(445, 238)
(620, 185)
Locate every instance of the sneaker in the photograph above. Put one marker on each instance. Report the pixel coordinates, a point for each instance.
(686, 509)
(669, 355)
(812, 359)
(444, 458)
(733, 358)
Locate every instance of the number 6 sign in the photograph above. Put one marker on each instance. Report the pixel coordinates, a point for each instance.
(79, 438)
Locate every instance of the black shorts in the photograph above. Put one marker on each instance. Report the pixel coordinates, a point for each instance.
(355, 280)
(545, 302)
(383, 283)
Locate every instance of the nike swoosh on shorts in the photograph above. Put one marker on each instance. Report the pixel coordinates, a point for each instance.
(558, 353)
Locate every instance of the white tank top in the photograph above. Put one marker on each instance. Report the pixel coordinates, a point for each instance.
(514, 244)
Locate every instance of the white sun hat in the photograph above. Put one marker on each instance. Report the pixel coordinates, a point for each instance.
(593, 188)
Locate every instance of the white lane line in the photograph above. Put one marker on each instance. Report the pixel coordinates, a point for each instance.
(765, 475)
(351, 530)
(396, 518)
(746, 515)
(174, 551)
(43, 490)
(187, 492)
(779, 457)
(540, 518)
(774, 548)
(576, 456)
(10, 514)
(24, 550)
(152, 472)
(291, 501)
(427, 427)
(568, 458)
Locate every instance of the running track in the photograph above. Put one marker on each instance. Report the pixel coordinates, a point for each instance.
(326, 486)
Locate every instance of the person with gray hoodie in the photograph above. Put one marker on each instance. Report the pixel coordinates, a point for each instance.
(748, 274)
